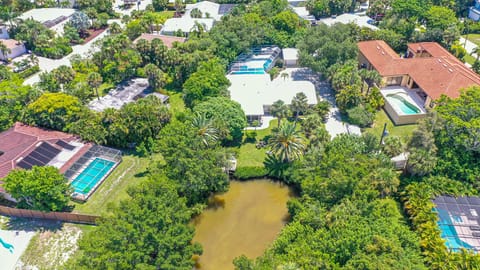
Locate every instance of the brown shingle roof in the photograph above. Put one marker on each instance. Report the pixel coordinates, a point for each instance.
(167, 40)
(22, 139)
(442, 73)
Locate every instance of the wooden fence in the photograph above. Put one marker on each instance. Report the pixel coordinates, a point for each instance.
(60, 216)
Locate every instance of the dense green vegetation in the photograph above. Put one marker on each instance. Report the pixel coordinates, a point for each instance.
(348, 215)
(41, 188)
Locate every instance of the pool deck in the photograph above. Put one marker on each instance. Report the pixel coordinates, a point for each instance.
(20, 243)
(393, 110)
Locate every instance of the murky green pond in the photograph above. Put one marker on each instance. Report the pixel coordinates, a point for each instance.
(245, 220)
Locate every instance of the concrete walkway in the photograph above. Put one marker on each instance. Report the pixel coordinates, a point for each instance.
(469, 46)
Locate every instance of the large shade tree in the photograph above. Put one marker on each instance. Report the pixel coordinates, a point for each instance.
(41, 188)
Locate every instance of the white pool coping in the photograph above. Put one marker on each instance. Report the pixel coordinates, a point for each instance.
(20, 243)
(410, 96)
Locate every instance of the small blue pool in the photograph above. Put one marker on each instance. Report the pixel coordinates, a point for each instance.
(95, 171)
(405, 106)
(452, 241)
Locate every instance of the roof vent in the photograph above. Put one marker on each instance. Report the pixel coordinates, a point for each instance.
(378, 48)
(383, 52)
(445, 65)
(439, 60)
(451, 70)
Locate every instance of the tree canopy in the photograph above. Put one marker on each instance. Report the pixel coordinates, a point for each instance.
(41, 188)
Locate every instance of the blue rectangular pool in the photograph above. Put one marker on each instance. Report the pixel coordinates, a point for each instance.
(91, 175)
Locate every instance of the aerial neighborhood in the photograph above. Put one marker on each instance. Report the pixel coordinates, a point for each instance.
(239, 134)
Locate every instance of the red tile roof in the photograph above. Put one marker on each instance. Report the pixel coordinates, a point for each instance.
(22, 139)
(167, 40)
(440, 74)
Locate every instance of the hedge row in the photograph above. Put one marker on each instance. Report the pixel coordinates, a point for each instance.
(244, 173)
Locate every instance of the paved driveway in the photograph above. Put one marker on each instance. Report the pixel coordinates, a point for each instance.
(334, 124)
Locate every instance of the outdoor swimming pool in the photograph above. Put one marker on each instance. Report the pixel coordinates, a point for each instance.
(95, 172)
(405, 106)
(445, 223)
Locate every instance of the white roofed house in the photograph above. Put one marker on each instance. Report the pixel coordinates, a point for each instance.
(199, 15)
(53, 18)
(186, 25)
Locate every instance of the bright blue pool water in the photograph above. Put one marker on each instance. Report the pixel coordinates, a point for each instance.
(452, 241)
(91, 175)
(7, 246)
(405, 106)
(245, 69)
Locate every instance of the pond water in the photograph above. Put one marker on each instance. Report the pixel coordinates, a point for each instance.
(245, 220)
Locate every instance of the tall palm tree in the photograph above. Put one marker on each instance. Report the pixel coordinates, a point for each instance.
(155, 76)
(299, 104)
(207, 133)
(385, 180)
(94, 80)
(476, 51)
(284, 76)
(287, 143)
(280, 110)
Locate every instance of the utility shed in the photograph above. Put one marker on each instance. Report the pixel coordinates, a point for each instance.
(290, 57)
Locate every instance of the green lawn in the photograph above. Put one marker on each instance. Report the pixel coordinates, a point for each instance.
(475, 38)
(469, 59)
(381, 118)
(129, 173)
(248, 154)
(176, 102)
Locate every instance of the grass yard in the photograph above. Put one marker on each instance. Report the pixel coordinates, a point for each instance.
(475, 38)
(469, 59)
(248, 154)
(129, 173)
(176, 102)
(381, 118)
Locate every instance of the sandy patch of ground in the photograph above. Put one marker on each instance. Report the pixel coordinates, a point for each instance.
(51, 248)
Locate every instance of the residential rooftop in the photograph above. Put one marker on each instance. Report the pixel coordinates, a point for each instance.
(347, 18)
(21, 147)
(48, 16)
(124, 93)
(433, 68)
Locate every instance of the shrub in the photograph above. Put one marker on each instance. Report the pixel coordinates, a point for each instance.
(360, 116)
(250, 136)
(244, 173)
(29, 72)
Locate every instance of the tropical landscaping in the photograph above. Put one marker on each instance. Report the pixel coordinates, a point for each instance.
(349, 208)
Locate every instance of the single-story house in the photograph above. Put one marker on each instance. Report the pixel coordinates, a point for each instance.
(126, 92)
(167, 40)
(361, 21)
(256, 92)
(53, 18)
(185, 25)
(16, 49)
(427, 72)
(209, 9)
(23, 146)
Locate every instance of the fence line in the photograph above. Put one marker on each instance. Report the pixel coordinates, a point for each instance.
(60, 216)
